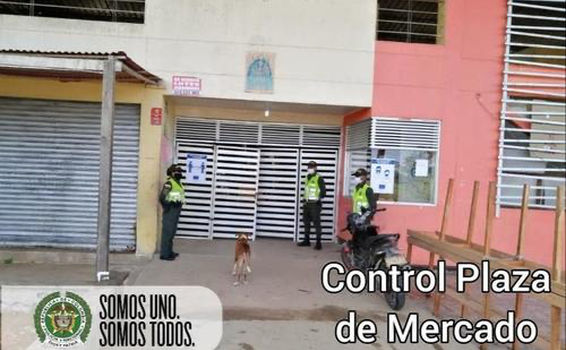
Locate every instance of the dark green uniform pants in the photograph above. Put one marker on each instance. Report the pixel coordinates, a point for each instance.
(170, 221)
(311, 213)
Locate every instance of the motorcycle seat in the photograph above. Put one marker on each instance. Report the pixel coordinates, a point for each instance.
(380, 238)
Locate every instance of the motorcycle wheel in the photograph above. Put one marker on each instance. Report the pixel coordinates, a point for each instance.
(396, 301)
(347, 255)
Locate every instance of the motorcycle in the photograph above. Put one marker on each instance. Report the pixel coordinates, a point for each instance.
(370, 249)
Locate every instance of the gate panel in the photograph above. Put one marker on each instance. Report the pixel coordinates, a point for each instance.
(196, 214)
(277, 199)
(327, 161)
(235, 191)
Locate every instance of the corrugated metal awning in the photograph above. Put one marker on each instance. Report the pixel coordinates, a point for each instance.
(71, 66)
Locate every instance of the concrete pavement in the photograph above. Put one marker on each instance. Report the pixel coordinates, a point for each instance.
(284, 306)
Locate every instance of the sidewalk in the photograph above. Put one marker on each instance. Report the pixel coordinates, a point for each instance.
(284, 306)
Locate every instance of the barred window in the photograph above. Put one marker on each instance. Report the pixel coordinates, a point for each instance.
(532, 144)
(411, 21)
(408, 147)
(128, 11)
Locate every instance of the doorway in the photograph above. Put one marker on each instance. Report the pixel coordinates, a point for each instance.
(252, 187)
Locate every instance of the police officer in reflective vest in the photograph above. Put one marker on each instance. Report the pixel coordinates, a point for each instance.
(171, 198)
(362, 197)
(315, 191)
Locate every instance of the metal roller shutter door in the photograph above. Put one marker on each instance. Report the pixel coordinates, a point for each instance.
(49, 156)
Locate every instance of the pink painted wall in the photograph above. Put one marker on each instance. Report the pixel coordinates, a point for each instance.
(458, 83)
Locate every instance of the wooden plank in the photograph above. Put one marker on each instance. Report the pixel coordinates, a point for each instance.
(473, 209)
(490, 215)
(523, 221)
(466, 254)
(473, 305)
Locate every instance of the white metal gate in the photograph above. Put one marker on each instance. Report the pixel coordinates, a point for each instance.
(235, 191)
(327, 161)
(254, 177)
(49, 174)
(278, 185)
(196, 214)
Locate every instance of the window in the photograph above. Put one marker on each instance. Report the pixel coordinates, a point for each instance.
(409, 147)
(532, 145)
(128, 11)
(411, 21)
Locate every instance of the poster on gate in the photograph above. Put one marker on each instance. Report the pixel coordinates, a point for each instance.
(196, 168)
(382, 175)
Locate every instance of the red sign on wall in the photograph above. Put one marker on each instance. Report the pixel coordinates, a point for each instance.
(156, 116)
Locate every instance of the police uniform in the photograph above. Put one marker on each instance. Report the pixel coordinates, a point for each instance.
(362, 199)
(172, 198)
(315, 191)
(363, 195)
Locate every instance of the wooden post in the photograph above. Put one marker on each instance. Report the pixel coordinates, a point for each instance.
(487, 245)
(409, 253)
(523, 222)
(447, 209)
(519, 255)
(442, 236)
(470, 234)
(105, 185)
(485, 314)
(518, 316)
(557, 263)
(489, 218)
(473, 209)
(557, 254)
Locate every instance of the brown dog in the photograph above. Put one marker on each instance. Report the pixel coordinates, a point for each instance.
(242, 259)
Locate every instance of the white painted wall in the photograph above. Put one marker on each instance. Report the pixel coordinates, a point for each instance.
(324, 48)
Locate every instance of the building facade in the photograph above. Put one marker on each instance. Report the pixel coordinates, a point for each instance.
(251, 91)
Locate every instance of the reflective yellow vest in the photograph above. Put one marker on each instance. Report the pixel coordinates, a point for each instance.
(359, 199)
(177, 193)
(312, 190)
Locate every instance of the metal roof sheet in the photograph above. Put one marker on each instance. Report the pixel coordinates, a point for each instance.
(73, 75)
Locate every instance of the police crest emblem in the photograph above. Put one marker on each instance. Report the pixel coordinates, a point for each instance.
(62, 320)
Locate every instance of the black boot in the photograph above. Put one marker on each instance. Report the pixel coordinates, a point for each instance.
(304, 243)
(318, 246)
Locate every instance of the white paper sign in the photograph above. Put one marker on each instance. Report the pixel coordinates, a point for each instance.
(421, 168)
(383, 176)
(196, 168)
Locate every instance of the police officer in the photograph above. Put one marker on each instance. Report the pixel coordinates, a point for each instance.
(315, 191)
(362, 196)
(171, 198)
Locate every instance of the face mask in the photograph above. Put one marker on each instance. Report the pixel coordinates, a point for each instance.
(357, 180)
(310, 171)
(178, 176)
